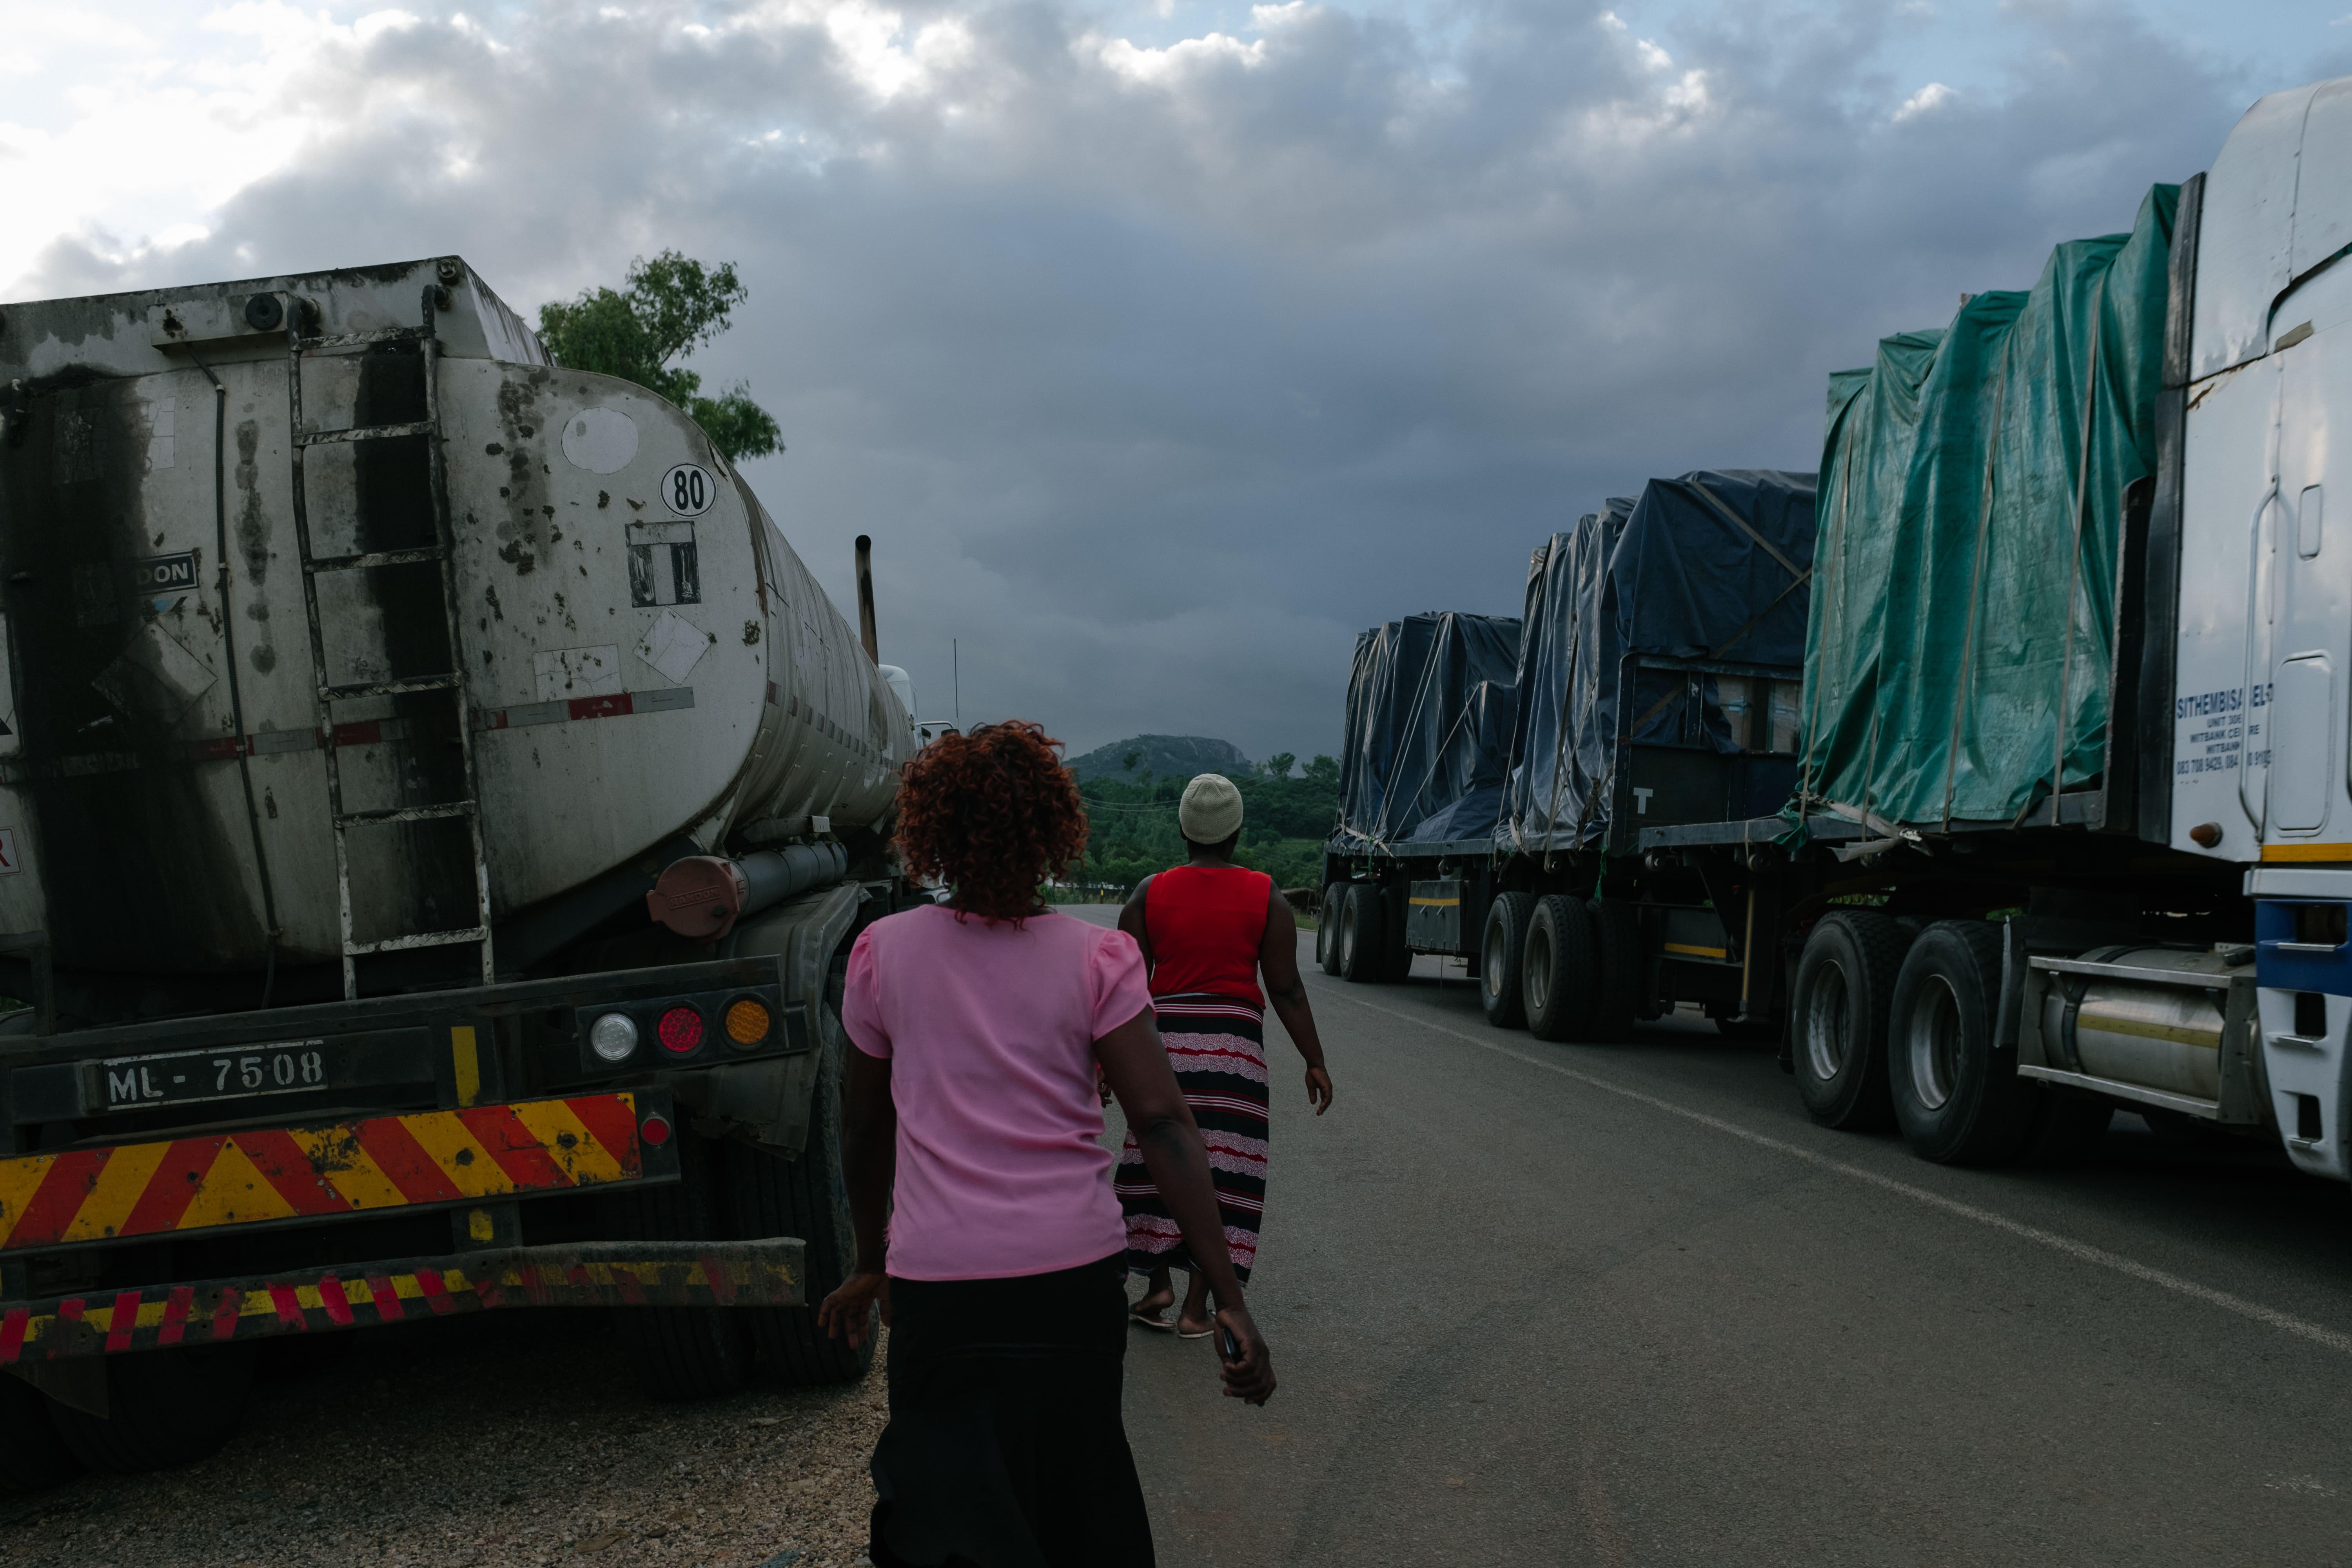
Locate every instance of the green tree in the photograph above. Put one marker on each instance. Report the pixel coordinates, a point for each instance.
(1278, 765)
(1133, 830)
(668, 308)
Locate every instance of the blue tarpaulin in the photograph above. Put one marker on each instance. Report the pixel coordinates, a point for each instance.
(1712, 566)
(1430, 710)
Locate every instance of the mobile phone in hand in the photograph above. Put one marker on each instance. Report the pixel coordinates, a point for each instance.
(1228, 1346)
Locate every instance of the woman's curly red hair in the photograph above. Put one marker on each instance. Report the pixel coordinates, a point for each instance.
(992, 813)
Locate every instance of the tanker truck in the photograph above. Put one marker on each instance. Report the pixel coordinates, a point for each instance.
(436, 803)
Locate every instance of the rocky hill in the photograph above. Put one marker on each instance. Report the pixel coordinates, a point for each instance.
(1163, 756)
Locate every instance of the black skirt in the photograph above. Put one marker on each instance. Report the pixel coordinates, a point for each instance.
(1005, 1446)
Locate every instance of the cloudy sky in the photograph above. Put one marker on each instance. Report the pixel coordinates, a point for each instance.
(1163, 346)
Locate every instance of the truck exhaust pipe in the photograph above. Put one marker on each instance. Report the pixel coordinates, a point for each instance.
(701, 897)
(865, 599)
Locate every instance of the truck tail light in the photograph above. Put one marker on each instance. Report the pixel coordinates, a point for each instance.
(655, 1129)
(681, 1031)
(748, 1022)
(613, 1037)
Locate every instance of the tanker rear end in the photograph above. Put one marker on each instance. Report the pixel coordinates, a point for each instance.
(435, 801)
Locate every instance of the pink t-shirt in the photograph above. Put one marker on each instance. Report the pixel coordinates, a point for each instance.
(989, 1034)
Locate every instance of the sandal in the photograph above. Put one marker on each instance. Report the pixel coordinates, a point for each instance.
(1136, 1314)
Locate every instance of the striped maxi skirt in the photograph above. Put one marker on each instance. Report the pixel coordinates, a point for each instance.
(1217, 1045)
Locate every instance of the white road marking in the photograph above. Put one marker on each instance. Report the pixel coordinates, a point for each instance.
(2082, 1251)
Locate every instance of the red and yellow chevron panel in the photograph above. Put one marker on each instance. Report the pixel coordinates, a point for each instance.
(304, 1172)
(761, 1273)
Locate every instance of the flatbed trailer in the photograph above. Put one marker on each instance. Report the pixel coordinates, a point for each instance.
(1387, 901)
(1619, 725)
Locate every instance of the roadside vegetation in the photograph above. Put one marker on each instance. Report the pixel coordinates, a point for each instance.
(1134, 834)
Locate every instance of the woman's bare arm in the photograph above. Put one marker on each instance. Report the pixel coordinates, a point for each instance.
(1277, 961)
(869, 1162)
(1136, 1064)
(1132, 921)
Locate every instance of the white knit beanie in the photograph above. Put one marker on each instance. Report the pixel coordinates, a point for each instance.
(1211, 811)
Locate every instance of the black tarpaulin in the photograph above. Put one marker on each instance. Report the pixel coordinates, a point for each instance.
(1710, 566)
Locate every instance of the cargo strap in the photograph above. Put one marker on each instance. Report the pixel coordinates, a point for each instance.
(1740, 522)
(266, 1175)
(765, 1273)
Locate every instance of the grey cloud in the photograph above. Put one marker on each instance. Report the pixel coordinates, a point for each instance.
(1153, 391)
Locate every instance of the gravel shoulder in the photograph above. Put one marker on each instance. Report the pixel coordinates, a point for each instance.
(515, 1439)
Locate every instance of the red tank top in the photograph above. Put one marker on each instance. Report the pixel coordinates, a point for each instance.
(1205, 923)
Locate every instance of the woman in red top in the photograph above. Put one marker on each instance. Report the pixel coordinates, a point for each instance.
(1207, 929)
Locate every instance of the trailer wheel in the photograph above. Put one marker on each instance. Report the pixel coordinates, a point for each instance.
(1845, 984)
(1558, 970)
(1501, 948)
(807, 1197)
(32, 1456)
(684, 1353)
(1617, 982)
(1957, 1096)
(164, 1408)
(1327, 928)
(1363, 935)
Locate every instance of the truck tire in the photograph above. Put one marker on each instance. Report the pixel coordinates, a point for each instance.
(807, 1197)
(684, 1353)
(1838, 1007)
(164, 1408)
(1502, 948)
(32, 1457)
(1327, 928)
(1617, 978)
(1958, 1097)
(1363, 935)
(1557, 970)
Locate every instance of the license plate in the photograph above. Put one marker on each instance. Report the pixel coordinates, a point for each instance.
(281, 1066)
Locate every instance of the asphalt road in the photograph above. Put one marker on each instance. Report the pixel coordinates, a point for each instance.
(1624, 1303)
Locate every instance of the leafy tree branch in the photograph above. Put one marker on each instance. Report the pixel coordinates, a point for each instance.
(666, 309)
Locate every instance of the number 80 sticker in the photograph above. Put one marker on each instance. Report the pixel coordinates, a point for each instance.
(688, 489)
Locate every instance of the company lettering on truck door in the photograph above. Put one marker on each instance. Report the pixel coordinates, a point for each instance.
(2211, 729)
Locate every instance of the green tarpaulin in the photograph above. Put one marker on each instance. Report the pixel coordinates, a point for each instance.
(1971, 498)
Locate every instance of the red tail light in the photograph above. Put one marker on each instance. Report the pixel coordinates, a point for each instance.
(655, 1129)
(680, 1030)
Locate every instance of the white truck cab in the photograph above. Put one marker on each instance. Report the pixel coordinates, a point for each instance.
(2261, 748)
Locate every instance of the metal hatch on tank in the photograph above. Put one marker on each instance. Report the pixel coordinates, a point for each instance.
(489, 630)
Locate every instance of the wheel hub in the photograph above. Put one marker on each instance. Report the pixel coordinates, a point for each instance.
(1935, 1044)
(1828, 1024)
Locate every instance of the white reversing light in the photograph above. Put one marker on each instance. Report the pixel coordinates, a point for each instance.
(613, 1036)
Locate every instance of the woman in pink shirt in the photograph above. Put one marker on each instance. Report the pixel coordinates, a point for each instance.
(981, 1190)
